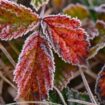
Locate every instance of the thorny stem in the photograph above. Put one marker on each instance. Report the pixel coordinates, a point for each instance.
(60, 95)
(87, 86)
(81, 102)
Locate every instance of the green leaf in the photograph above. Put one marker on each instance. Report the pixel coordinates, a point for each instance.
(38, 3)
(64, 73)
(77, 10)
(68, 94)
(100, 44)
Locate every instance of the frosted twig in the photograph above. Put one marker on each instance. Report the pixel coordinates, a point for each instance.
(43, 11)
(81, 85)
(6, 80)
(87, 86)
(90, 73)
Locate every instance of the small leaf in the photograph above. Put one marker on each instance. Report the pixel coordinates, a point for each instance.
(15, 20)
(64, 73)
(77, 10)
(38, 3)
(94, 50)
(67, 38)
(100, 85)
(34, 71)
(100, 24)
(100, 44)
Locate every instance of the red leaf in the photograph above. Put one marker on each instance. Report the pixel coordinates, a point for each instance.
(100, 85)
(15, 20)
(67, 38)
(34, 71)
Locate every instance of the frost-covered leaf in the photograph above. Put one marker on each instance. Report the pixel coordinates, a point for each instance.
(100, 44)
(38, 3)
(90, 28)
(67, 95)
(15, 20)
(77, 10)
(34, 70)
(67, 38)
(100, 24)
(64, 73)
(94, 50)
(100, 86)
(100, 11)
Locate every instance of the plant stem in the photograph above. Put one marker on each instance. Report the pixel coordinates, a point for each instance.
(87, 86)
(81, 102)
(60, 95)
(7, 55)
(7, 81)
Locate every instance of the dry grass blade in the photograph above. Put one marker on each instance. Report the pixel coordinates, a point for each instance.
(7, 55)
(87, 86)
(81, 102)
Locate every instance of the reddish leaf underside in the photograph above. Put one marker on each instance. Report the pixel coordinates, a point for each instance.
(67, 38)
(34, 71)
(100, 85)
(15, 20)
